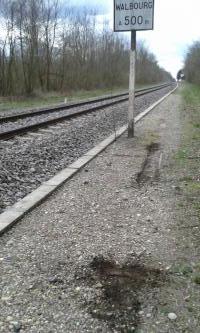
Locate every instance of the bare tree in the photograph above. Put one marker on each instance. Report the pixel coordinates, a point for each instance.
(192, 63)
(43, 49)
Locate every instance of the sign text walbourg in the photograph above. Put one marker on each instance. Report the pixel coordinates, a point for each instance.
(133, 15)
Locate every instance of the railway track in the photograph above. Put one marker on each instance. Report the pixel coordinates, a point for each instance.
(73, 110)
(29, 160)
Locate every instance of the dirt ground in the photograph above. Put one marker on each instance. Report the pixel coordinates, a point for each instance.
(116, 249)
(161, 284)
(177, 183)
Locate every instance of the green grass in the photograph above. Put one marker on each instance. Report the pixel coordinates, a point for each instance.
(196, 279)
(191, 94)
(196, 275)
(196, 125)
(194, 186)
(191, 108)
(44, 99)
(182, 154)
(187, 157)
(28, 102)
(186, 179)
(182, 269)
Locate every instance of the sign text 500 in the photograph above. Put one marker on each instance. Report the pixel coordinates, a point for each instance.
(132, 20)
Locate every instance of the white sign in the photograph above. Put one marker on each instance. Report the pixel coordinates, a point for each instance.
(133, 15)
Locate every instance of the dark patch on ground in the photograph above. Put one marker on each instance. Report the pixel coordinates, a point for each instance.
(152, 147)
(150, 167)
(118, 291)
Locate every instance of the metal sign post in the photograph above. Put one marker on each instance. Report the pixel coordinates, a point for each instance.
(133, 15)
(132, 85)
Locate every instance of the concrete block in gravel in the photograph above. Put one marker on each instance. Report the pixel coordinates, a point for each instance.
(61, 177)
(107, 141)
(8, 218)
(80, 162)
(34, 198)
(121, 130)
(102, 145)
(95, 151)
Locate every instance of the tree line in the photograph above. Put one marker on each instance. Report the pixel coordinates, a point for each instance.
(45, 46)
(192, 63)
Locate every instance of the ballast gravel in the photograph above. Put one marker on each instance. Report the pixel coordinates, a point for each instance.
(28, 161)
(45, 261)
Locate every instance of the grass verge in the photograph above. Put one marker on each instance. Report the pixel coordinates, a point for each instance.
(191, 95)
(188, 159)
(44, 99)
(40, 99)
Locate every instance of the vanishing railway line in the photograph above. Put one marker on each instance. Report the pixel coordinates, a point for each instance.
(22, 123)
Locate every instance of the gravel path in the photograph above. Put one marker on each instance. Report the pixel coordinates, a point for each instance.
(94, 257)
(28, 161)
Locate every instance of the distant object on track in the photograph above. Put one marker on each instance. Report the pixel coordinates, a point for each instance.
(180, 75)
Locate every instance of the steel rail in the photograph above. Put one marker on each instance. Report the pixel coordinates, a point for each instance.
(62, 107)
(24, 129)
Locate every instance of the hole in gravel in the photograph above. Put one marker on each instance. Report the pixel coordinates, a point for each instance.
(152, 147)
(137, 273)
(150, 167)
(118, 291)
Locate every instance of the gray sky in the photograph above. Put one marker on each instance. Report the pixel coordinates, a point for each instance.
(177, 25)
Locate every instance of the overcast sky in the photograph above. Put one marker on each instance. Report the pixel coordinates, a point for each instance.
(177, 25)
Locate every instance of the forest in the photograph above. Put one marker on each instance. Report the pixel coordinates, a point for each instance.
(47, 46)
(192, 63)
